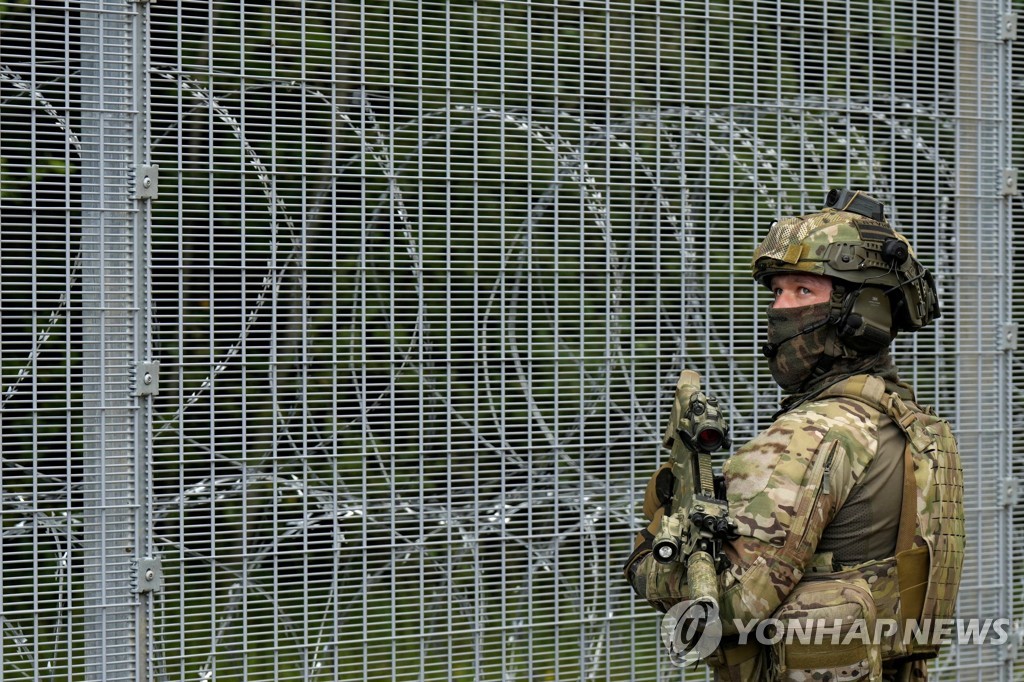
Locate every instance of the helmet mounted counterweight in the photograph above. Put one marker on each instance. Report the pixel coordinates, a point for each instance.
(881, 287)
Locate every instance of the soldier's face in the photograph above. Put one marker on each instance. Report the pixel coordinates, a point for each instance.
(794, 290)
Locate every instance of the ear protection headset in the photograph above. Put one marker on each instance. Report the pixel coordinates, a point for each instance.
(864, 321)
(869, 317)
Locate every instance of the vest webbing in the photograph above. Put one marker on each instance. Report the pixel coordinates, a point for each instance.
(930, 545)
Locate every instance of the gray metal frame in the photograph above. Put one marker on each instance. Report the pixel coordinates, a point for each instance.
(114, 303)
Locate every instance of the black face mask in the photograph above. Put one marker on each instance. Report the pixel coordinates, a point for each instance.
(797, 339)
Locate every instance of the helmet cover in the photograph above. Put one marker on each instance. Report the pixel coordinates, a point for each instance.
(857, 250)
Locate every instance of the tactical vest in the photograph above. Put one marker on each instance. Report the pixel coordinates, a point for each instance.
(911, 589)
(930, 545)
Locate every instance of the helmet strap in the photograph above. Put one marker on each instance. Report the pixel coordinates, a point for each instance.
(835, 348)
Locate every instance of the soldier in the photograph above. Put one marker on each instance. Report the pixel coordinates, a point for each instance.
(849, 506)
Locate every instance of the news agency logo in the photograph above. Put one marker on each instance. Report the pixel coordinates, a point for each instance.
(691, 631)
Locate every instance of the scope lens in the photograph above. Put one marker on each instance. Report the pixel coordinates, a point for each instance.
(710, 438)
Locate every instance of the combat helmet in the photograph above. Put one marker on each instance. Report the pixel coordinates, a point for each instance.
(879, 286)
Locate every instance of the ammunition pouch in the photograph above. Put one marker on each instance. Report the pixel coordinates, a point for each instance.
(826, 630)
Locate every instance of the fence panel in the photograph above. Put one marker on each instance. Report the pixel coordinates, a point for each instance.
(419, 279)
(41, 385)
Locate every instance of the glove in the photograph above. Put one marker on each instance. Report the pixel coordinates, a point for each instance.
(659, 493)
(657, 503)
(662, 486)
(641, 570)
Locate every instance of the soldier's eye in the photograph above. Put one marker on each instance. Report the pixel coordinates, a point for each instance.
(805, 291)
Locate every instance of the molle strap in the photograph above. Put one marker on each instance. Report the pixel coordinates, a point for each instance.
(898, 411)
(832, 656)
(908, 510)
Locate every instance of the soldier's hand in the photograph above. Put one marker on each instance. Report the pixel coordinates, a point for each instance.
(660, 584)
(659, 491)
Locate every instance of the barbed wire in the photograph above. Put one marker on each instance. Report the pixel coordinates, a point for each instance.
(593, 509)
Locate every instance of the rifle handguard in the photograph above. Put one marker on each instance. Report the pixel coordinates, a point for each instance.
(702, 577)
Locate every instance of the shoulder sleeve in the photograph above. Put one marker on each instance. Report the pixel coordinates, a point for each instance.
(784, 487)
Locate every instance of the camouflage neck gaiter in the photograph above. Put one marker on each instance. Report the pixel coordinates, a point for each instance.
(798, 337)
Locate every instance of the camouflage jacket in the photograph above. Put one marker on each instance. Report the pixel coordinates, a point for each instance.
(784, 487)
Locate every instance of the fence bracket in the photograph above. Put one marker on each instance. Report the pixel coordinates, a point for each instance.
(1009, 491)
(147, 378)
(1009, 185)
(147, 575)
(1008, 337)
(1008, 27)
(147, 180)
(1010, 648)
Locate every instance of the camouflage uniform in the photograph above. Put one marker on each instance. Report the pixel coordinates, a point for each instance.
(788, 491)
(784, 488)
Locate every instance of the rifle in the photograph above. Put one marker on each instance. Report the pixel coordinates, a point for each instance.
(699, 522)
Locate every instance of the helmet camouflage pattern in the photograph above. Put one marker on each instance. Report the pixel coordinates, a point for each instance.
(855, 245)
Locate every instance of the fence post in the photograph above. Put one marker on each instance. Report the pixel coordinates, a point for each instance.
(113, 133)
(1006, 330)
(982, 286)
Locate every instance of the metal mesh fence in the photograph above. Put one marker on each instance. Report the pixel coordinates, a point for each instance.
(419, 278)
(1011, 335)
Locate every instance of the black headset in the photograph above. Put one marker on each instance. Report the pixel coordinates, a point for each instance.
(864, 324)
(866, 321)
